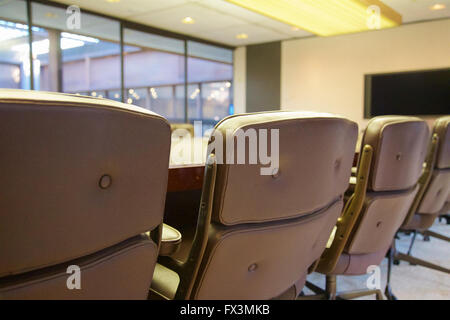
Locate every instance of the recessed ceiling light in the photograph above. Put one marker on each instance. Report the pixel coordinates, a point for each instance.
(112, 1)
(241, 36)
(437, 6)
(188, 20)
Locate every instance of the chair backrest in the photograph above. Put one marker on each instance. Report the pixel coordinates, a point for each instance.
(431, 202)
(267, 229)
(399, 148)
(82, 180)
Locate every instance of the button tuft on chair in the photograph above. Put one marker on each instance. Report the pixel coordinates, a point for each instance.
(252, 267)
(105, 181)
(337, 164)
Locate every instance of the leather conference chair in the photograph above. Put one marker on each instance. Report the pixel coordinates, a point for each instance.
(83, 184)
(393, 149)
(432, 200)
(257, 235)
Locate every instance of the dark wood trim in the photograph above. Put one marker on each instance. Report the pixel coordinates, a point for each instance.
(185, 177)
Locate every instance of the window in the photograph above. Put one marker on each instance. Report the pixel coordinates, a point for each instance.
(84, 60)
(210, 73)
(154, 73)
(14, 50)
(180, 79)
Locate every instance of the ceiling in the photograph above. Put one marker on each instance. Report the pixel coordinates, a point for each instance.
(220, 21)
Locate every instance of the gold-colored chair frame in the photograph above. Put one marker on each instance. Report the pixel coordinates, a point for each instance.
(187, 270)
(344, 227)
(424, 181)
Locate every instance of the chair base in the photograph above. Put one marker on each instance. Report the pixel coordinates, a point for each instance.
(429, 233)
(446, 217)
(330, 292)
(388, 293)
(415, 261)
(398, 256)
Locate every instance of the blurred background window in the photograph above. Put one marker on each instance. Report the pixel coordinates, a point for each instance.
(183, 80)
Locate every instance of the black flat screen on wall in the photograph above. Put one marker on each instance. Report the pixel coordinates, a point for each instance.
(407, 93)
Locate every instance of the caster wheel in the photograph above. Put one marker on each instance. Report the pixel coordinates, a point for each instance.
(396, 262)
(389, 295)
(426, 238)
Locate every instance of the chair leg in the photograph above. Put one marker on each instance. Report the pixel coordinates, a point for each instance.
(423, 263)
(412, 242)
(358, 294)
(330, 291)
(314, 288)
(330, 287)
(312, 297)
(388, 290)
(435, 235)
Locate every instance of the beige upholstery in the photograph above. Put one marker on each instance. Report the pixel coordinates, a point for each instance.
(398, 157)
(380, 219)
(304, 139)
(80, 175)
(119, 272)
(399, 148)
(267, 230)
(280, 255)
(280, 224)
(442, 129)
(437, 192)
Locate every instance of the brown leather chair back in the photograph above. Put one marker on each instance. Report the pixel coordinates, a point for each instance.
(267, 230)
(437, 190)
(399, 148)
(82, 180)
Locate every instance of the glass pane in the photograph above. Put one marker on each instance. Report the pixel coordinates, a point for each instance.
(88, 57)
(216, 97)
(210, 71)
(14, 50)
(154, 73)
(209, 52)
(194, 103)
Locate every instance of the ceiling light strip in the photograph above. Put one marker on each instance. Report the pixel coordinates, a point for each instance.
(323, 17)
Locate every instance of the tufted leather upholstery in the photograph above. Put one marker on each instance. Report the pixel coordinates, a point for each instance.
(303, 137)
(80, 175)
(398, 157)
(399, 148)
(437, 192)
(268, 229)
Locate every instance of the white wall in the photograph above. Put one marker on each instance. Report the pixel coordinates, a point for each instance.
(327, 74)
(239, 79)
